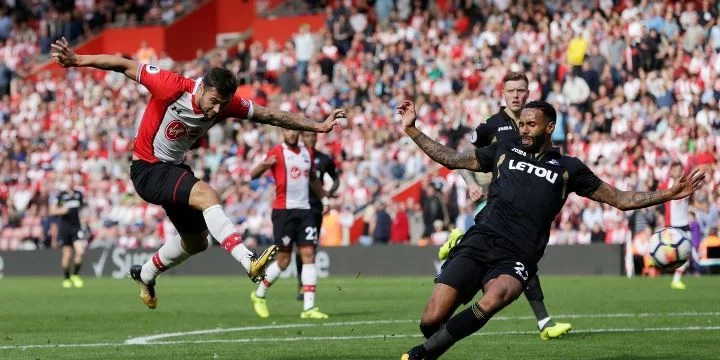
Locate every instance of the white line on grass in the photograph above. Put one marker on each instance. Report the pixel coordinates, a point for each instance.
(149, 338)
(359, 337)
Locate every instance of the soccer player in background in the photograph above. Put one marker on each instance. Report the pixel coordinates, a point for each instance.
(66, 205)
(531, 181)
(179, 112)
(677, 214)
(324, 164)
(501, 126)
(292, 165)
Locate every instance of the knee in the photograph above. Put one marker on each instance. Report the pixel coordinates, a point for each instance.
(194, 244)
(307, 254)
(432, 319)
(197, 247)
(283, 262)
(202, 196)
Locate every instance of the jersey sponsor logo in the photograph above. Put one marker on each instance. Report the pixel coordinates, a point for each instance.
(175, 130)
(550, 176)
(244, 103)
(71, 204)
(505, 128)
(553, 162)
(152, 69)
(296, 172)
(516, 150)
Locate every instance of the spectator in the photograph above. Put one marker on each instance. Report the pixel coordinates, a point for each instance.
(400, 231)
(380, 226)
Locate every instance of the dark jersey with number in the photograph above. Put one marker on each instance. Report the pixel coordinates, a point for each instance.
(324, 164)
(527, 192)
(73, 201)
(498, 127)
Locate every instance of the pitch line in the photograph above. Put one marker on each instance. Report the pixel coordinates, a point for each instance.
(359, 337)
(149, 338)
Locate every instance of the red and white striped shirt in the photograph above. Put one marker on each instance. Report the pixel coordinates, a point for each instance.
(292, 176)
(172, 122)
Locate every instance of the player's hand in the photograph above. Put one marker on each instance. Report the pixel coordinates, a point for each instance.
(688, 184)
(269, 161)
(476, 192)
(332, 120)
(408, 114)
(63, 54)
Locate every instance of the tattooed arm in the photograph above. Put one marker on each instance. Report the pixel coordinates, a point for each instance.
(630, 200)
(442, 154)
(292, 121)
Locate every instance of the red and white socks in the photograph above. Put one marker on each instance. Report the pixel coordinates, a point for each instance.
(168, 256)
(309, 281)
(271, 274)
(224, 231)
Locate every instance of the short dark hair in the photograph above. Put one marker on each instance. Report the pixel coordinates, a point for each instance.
(515, 76)
(222, 80)
(548, 110)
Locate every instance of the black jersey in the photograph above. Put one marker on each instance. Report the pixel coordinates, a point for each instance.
(73, 201)
(324, 164)
(527, 192)
(498, 127)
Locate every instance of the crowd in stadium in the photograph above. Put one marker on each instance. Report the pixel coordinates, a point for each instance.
(629, 104)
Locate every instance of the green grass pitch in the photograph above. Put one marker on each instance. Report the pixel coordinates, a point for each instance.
(370, 318)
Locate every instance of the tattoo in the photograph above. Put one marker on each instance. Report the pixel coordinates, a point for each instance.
(469, 177)
(283, 119)
(442, 154)
(630, 200)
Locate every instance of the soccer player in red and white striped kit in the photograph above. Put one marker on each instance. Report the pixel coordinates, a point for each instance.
(293, 169)
(180, 111)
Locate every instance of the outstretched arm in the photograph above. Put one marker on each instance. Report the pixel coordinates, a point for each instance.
(630, 200)
(442, 154)
(292, 121)
(65, 57)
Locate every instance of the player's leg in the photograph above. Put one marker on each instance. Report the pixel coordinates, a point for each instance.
(298, 268)
(443, 302)
(309, 281)
(79, 247)
(498, 293)
(206, 199)
(283, 232)
(176, 188)
(677, 282)
(547, 327)
(257, 297)
(65, 257)
(458, 282)
(317, 215)
(172, 253)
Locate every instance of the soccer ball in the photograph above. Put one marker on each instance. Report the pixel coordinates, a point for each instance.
(670, 248)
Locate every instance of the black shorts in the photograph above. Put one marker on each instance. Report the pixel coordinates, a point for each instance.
(68, 235)
(294, 226)
(478, 258)
(169, 185)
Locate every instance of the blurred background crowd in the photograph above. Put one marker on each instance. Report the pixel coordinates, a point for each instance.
(634, 82)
